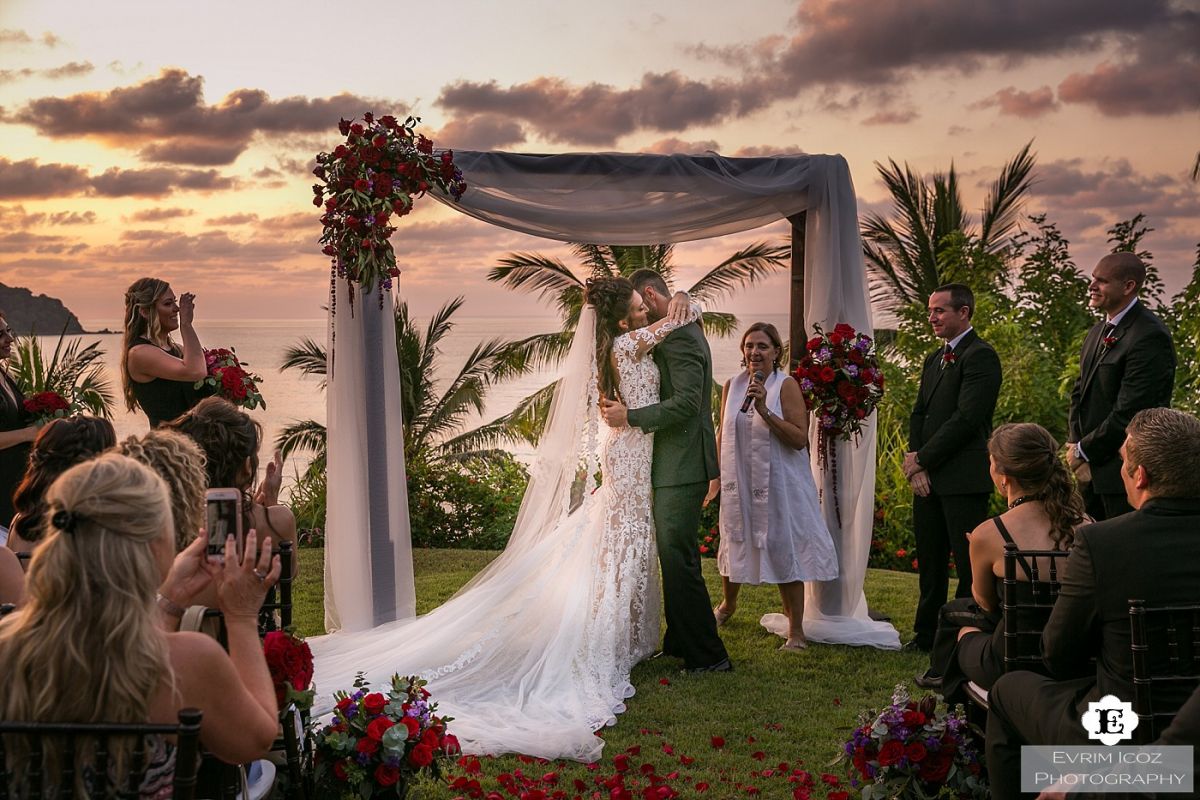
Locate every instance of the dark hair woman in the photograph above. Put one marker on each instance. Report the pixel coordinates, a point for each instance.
(60, 445)
(16, 432)
(157, 375)
(1044, 509)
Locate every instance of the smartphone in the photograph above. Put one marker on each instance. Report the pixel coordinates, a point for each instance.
(224, 517)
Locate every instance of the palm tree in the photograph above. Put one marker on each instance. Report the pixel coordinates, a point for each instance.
(431, 420)
(75, 373)
(906, 254)
(552, 279)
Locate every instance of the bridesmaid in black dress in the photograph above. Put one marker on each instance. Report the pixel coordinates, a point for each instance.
(16, 432)
(158, 375)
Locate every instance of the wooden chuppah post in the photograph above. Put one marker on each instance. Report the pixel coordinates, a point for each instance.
(797, 336)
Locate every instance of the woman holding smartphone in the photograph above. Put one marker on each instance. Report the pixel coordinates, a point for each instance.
(157, 374)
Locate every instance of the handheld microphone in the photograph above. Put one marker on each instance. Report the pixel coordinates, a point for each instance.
(760, 377)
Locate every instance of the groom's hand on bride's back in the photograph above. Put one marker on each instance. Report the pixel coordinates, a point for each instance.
(615, 413)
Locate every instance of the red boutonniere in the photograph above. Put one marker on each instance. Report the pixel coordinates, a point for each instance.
(1109, 341)
(948, 359)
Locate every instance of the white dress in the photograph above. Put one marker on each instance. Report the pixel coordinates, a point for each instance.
(534, 654)
(788, 540)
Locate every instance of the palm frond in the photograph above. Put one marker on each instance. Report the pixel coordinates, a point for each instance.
(543, 349)
(597, 258)
(74, 371)
(719, 323)
(303, 436)
(741, 269)
(1001, 210)
(308, 357)
(535, 274)
(527, 420)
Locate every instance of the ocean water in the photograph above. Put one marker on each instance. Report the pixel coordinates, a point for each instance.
(292, 396)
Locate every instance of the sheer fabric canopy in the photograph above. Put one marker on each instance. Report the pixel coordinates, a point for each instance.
(653, 199)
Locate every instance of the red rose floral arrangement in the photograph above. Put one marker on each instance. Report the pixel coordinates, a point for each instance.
(226, 378)
(45, 406)
(291, 664)
(379, 743)
(366, 182)
(913, 750)
(842, 384)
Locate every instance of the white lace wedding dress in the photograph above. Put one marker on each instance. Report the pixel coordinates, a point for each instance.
(533, 654)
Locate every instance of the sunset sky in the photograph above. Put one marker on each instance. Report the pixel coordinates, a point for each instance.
(175, 139)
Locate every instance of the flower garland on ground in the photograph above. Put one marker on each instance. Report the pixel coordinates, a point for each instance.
(227, 379)
(377, 173)
(379, 743)
(842, 384)
(913, 750)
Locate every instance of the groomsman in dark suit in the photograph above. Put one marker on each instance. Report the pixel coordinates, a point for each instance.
(1152, 554)
(1127, 364)
(947, 463)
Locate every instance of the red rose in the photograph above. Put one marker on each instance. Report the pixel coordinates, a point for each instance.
(430, 737)
(891, 753)
(341, 151)
(362, 185)
(839, 796)
(378, 727)
(450, 745)
(374, 703)
(339, 770)
(413, 726)
(356, 129)
(367, 745)
(380, 140)
(856, 356)
(844, 330)
(935, 768)
(386, 776)
(815, 343)
(344, 705)
(421, 756)
(860, 763)
(915, 752)
(835, 339)
(914, 719)
(827, 374)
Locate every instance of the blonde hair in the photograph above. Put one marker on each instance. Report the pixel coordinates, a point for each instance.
(180, 462)
(142, 322)
(86, 647)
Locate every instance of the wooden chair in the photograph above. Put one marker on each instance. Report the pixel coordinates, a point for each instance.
(187, 748)
(1024, 620)
(298, 756)
(279, 597)
(1165, 644)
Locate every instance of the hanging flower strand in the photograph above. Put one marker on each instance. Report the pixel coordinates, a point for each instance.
(378, 172)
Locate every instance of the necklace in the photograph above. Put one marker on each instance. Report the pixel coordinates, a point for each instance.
(1025, 498)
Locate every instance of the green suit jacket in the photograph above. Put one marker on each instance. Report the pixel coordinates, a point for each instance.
(685, 446)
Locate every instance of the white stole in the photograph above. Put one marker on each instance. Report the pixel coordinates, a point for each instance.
(760, 460)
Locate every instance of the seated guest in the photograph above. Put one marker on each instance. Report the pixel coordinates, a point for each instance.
(179, 461)
(1044, 508)
(1152, 554)
(60, 445)
(16, 428)
(230, 439)
(81, 651)
(12, 578)
(157, 375)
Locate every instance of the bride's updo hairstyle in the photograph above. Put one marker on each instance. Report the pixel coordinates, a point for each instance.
(612, 298)
(1028, 454)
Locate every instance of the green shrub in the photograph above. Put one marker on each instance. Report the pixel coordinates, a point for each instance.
(471, 504)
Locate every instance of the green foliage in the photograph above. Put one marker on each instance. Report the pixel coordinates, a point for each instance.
(75, 372)
(468, 504)
(1126, 237)
(1184, 321)
(306, 498)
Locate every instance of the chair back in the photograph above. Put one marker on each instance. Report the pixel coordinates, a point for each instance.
(1026, 605)
(72, 738)
(279, 596)
(1165, 644)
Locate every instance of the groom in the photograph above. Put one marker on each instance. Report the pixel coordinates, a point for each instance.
(685, 459)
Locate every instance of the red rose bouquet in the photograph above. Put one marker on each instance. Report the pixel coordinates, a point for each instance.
(45, 406)
(291, 664)
(378, 743)
(226, 378)
(371, 178)
(913, 750)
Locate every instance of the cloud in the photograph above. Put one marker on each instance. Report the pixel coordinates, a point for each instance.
(28, 179)
(1017, 103)
(167, 119)
(17, 218)
(157, 181)
(766, 150)
(892, 117)
(480, 132)
(672, 145)
(160, 214)
(1115, 187)
(232, 219)
(71, 69)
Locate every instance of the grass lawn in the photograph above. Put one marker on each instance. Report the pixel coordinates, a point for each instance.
(776, 713)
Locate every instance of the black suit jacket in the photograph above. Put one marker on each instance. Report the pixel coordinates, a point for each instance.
(1151, 554)
(685, 445)
(1135, 373)
(952, 418)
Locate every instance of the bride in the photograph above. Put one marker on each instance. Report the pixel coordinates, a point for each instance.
(533, 654)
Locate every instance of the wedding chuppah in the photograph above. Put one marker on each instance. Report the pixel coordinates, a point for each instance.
(609, 199)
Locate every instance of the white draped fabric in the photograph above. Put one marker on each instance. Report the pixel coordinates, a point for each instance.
(650, 199)
(368, 549)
